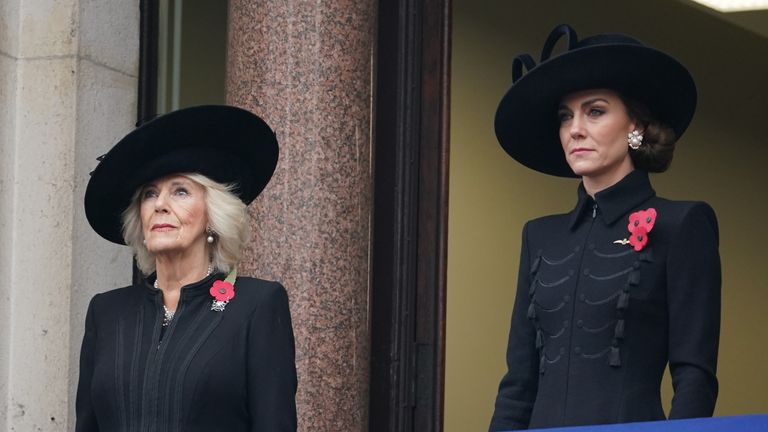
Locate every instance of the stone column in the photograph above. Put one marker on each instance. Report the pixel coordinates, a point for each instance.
(306, 68)
(68, 77)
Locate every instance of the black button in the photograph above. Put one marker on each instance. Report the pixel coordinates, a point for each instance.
(562, 350)
(579, 323)
(591, 246)
(582, 297)
(566, 324)
(571, 272)
(567, 298)
(577, 350)
(577, 248)
(586, 272)
(636, 264)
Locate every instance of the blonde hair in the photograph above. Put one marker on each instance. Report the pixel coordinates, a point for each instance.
(227, 219)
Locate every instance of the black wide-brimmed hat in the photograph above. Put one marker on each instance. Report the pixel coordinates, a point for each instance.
(526, 120)
(227, 144)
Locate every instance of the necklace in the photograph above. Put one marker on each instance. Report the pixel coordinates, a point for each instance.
(167, 313)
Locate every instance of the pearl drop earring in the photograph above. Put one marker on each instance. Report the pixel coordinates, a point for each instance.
(635, 140)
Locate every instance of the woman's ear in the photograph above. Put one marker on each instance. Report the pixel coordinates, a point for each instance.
(637, 126)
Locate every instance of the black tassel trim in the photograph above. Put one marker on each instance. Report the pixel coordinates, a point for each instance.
(535, 266)
(531, 311)
(619, 331)
(634, 278)
(539, 339)
(542, 364)
(532, 289)
(623, 302)
(614, 358)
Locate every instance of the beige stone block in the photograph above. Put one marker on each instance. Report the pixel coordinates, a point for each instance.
(7, 106)
(41, 245)
(9, 27)
(58, 111)
(47, 28)
(106, 110)
(7, 102)
(109, 33)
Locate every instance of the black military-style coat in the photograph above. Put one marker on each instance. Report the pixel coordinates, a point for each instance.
(228, 371)
(595, 322)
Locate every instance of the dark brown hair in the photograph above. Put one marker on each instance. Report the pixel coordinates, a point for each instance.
(655, 154)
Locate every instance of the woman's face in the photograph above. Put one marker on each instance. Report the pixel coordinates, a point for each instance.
(594, 125)
(173, 215)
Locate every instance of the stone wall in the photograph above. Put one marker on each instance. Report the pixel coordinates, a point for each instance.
(68, 89)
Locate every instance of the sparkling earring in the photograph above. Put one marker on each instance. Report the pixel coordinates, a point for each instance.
(210, 238)
(635, 140)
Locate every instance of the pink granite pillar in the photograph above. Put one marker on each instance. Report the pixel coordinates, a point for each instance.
(305, 67)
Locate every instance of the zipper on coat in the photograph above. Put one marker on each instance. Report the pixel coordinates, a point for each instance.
(166, 330)
(573, 305)
(154, 363)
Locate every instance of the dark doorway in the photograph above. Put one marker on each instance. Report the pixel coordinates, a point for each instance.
(410, 216)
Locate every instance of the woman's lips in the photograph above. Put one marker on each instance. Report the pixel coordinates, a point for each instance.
(580, 150)
(162, 227)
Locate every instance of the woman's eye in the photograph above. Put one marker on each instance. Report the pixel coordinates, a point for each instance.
(596, 112)
(564, 116)
(181, 192)
(149, 194)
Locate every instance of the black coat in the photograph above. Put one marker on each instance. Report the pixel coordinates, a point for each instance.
(206, 371)
(595, 322)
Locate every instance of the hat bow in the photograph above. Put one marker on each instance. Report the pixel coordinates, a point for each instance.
(527, 62)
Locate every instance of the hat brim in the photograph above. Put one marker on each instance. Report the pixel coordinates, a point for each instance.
(526, 120)
(227, 144)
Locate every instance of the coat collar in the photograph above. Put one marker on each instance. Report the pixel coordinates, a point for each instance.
(614, 201)
(196, 289)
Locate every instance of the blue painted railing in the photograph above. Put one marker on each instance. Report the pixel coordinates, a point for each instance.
(747, 423)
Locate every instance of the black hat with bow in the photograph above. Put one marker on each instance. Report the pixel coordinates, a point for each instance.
(526, 120)
(227, 144)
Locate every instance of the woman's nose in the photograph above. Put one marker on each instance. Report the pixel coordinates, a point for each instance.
(161, 202)
(577, 128)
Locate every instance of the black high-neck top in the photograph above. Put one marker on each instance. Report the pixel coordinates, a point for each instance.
(206, 371)
(595, 322)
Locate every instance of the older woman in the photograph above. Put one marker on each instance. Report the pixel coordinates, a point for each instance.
(627, 282)
(192, 346)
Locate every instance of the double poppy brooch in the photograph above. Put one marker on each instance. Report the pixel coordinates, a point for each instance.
(640, 224)
(223, 291)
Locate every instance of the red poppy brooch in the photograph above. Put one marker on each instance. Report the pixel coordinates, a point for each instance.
(223, 292)
(640, 224)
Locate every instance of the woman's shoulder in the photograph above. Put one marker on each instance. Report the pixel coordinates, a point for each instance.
(260, 299)
(114, 301)
(548, 220)
(260, 290)
(681, 221)
(549, 224)
(116, 294)
(253, 283)
(681, 211)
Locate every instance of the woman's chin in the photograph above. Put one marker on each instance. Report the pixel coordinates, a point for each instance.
(582, 169)
(161, 247)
